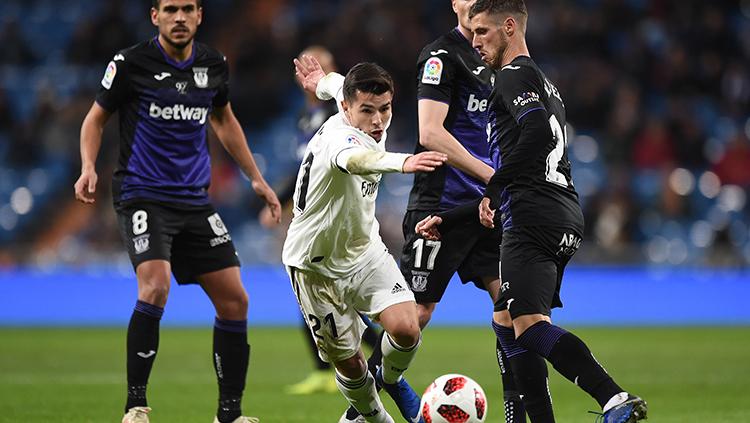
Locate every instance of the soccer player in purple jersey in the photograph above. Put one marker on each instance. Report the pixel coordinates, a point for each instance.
(167, 90)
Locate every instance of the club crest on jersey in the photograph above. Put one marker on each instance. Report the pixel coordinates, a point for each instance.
(181, 87)
(109, 75)
(419, 281)
(140, 243)
(433, 71)
(200, 76)
(351, 139)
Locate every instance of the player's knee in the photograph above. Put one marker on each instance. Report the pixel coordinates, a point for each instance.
(405, 334)
(153, 292)
(234, 308)
(503, 318)
(353, 367)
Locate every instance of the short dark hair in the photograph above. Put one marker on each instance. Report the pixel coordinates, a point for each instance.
(494, 7)
(367, 78)
(155, 3)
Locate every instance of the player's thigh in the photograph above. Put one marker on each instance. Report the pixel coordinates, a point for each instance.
(228, 295)
(377, 287)
(428, 265)
(147, 230)
(203, 246)
(334, 324)
(482, 263)
(528, 274)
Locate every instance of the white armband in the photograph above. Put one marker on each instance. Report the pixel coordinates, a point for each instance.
(330, 86)
(360, 161)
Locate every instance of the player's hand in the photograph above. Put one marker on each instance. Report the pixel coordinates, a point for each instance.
(427, 228)
(308, 72)
(425, 161)
(266, 218)
(85, 186)
(265, 192)
(486, 214)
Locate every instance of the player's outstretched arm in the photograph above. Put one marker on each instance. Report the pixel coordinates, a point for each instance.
(91, 141)
(361, 161)
(433, 136)
(230, 133)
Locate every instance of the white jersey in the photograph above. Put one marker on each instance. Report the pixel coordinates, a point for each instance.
(334, 231)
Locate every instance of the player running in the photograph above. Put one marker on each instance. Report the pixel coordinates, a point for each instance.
(541, 219)
(337, 263)
(453, 87)
(166, 90)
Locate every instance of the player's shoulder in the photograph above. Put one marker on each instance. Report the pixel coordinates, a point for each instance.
(445, 47)
(208, 54)
(136, 52)
(522, 68)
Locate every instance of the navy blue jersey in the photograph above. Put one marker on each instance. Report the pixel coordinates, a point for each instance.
(164, 108)
(452, 72)
(532, 184)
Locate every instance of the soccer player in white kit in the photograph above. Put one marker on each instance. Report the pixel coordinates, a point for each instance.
(336, 260)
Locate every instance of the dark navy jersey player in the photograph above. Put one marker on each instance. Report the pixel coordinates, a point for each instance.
(541, 219)
(166, 91)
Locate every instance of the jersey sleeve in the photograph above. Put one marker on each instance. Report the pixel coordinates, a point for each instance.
(436, 74)
(222, 94)
(114, 88)
(521, 90)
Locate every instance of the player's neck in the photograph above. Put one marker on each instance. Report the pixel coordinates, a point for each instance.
(176, 54)
(514, 50)
(466, 32)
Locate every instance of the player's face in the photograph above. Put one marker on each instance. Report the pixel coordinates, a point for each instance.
(462, 7)
(369, 113)
(489, 39)
(177, 20)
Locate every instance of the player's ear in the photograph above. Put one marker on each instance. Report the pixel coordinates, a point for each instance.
(200, 15)
(154, 14)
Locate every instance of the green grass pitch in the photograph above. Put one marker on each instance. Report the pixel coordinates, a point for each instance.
(77, 375)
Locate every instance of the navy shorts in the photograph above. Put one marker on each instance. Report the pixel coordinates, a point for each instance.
(467, 248)
(533, 260)
(194, 240)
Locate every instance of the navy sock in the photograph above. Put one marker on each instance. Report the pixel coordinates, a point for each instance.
(231, 358)
(572, 358)
(530, 375)
(142, 345)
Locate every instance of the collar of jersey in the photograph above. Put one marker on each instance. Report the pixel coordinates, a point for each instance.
(179, 65)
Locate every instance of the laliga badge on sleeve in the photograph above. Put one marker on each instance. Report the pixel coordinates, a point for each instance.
(433, 71)
(109, 75)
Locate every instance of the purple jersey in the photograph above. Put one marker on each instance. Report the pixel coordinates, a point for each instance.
(164, 108)
(450, 71)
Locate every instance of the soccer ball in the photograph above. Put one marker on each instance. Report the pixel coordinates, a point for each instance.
(454, 398)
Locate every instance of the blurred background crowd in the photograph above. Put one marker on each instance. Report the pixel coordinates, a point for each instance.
(657, 95)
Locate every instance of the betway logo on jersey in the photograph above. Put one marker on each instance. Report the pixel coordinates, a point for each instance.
(178, 112)
(525, 99)
(476, 104)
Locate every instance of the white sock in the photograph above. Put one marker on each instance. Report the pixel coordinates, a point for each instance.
(615, 401)
(396, 359)
(362, 395)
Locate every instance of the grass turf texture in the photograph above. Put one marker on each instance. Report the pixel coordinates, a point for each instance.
(78, 375)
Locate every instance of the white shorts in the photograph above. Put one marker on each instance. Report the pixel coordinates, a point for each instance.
(332, 306)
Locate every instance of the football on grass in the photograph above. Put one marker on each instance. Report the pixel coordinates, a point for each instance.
(454, 398)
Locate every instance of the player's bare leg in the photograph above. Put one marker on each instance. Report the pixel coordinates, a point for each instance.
(143, 335)
(231, 352)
